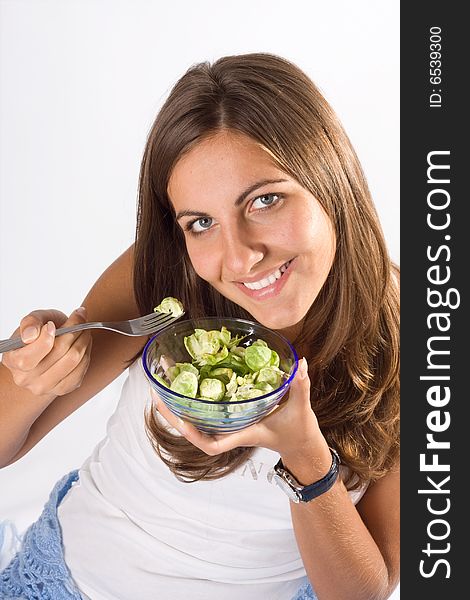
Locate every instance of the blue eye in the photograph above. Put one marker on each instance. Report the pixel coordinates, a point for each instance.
(265, 201)
(200, 225)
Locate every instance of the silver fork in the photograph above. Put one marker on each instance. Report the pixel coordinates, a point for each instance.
(146, 325)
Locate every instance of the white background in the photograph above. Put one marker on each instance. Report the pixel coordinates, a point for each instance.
(80, 84)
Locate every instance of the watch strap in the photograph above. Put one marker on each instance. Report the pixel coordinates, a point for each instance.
(309, 492)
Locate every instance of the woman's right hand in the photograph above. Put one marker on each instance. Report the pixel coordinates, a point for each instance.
(48, 366)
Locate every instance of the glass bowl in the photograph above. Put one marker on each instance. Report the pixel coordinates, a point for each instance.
(215, 416)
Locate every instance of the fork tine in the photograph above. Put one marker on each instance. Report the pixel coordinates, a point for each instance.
(150, 320)
(154, 316)
(160, 321)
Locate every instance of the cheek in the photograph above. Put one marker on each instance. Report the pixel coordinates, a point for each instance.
(202, 260)
(315, 235)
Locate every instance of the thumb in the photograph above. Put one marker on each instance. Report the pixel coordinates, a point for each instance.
(300, 388)
(31, 324)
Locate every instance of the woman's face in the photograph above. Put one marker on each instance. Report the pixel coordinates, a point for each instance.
(252, 232)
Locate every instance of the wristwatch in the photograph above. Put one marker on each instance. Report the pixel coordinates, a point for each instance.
(304, 493)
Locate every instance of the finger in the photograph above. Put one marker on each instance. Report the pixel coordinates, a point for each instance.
(78, 316)
(75, 379)
(184, 427)
(26, 359)
(283, 417)
(205, 442)
(31, 325)
(67, 373)
(63, 343)
(210, 444)
(38, 354)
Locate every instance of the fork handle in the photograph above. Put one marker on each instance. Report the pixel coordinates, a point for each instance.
(80, 327)
(14, 344)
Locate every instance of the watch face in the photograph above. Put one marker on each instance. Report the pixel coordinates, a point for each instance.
(286, 488)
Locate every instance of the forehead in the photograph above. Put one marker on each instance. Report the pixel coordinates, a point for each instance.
(225, 162)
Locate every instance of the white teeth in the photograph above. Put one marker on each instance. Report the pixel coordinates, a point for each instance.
(262, 283)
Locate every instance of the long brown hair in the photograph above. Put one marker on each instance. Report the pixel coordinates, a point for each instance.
(350, 336)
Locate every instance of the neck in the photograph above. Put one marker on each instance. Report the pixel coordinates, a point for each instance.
(292, 332)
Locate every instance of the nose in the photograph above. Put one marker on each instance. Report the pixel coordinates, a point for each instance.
(241, 250)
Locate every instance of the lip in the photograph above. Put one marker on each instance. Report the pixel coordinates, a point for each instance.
(262, 275)
(271, 290)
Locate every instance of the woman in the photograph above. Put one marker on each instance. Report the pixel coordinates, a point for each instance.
(252, 204)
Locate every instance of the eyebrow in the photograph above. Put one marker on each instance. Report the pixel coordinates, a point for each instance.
(238, 201)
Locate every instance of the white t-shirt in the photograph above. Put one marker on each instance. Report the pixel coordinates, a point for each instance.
(132, 530)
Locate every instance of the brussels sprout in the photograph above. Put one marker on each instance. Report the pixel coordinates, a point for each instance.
(223, 370)
(224, 336)
(232, 385)
(270, 375)
(175, 370)
(172, 373)
(259, 342)
(238, 352)
(257, 356)
(264, 386)
(212, 359)
(274, 359)
(247, 392)
(185, 383)
(160, 380)
(213, 389)
(202, 342)
(222, 373)
(188, 367)
(170, 305)
(249, 378)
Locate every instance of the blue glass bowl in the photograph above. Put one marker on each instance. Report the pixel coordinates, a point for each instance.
(208, 416)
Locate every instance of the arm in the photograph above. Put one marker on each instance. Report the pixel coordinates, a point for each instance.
(349, 552)
(54, 377)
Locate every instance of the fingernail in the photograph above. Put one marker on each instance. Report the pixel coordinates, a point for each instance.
(81, 311)
(50, 328)
(180, 425)
(303, 368)
(30, 334)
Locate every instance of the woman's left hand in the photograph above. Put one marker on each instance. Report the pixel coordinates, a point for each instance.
(290, 429)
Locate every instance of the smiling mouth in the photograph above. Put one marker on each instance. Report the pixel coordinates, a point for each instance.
(267, 281)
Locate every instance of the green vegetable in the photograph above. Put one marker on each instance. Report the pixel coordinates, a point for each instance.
(213, 389)
(264, 386)
(170, 305)
(188, 367)
(185, 383)
(222, 373)
(222, 370)
(161, 380)
(271, 375)
(258, 356)
(231, 386)
(274, 359)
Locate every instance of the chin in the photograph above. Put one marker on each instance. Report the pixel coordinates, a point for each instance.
(279, 321)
